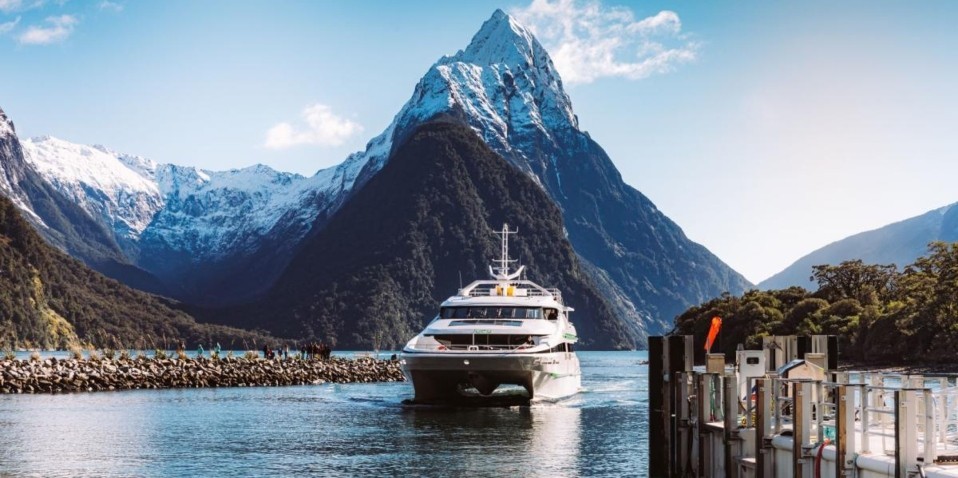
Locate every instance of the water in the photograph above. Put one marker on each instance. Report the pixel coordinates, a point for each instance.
(331, 430)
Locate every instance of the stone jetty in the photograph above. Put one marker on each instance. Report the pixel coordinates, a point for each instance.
(53, 375)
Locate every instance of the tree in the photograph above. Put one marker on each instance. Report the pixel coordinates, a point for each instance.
(869, 284)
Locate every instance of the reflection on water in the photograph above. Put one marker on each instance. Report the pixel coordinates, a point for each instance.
(541, 440)
(330, 430)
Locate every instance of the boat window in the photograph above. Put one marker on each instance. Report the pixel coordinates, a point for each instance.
(552, 314)
(491, 313)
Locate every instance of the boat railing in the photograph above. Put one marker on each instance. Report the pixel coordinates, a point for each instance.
(514, 288)
(473, 348)
(492, 292)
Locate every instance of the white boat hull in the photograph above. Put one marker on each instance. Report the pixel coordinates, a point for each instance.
(443, 376)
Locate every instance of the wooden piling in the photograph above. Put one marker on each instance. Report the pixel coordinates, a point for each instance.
(658, 412)
(763, 429)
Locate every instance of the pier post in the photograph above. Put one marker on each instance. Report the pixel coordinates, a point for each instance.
(658, 409)
(930, 440)
(845, 430)
(764, 456)
(680, 360)
(732, 440)
(832, 351)
(706, 413)
(906, 440)
(683, 425)
(943, 426)
(804, 343)
(801, 427)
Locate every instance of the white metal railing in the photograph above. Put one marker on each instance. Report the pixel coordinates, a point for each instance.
(492, 292)
(474, 347)
(921, 413)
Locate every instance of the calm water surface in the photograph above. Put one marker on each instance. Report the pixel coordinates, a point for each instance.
(331, 430)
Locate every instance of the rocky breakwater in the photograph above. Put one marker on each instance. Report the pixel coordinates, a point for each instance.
(91, 375)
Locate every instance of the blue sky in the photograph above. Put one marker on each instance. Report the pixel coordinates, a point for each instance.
(788, 125)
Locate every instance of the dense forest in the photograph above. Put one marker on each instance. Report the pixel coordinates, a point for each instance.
(881, 314)
(50, 300)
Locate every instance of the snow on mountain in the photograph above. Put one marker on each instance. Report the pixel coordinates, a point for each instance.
(194, 210)
(6, 126)
(98, 181)
(213, 212)
(186, 209)
(504, 84)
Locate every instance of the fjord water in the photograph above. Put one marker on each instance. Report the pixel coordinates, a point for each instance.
(331, 430)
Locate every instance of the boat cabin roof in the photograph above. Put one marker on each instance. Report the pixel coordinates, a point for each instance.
(514, 293)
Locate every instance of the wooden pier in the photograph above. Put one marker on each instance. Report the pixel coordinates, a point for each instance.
(786, 412)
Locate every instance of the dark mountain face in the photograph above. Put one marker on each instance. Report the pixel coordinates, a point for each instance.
(619, 230)
(375, 275)
(48, 299)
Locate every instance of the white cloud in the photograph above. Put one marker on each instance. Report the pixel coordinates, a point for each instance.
(112, 6)
(8, 6)
(59, 28)
(322, 127)
(589, 41)
(6, 27)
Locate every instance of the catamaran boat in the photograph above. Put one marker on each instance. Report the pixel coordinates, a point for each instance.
(503, 331)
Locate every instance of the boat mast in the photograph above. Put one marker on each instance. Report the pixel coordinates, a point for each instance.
(501, 271)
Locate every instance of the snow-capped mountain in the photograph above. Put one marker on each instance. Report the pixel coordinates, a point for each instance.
(505, 87)
(195, 228)
(503, 84)
(58, 218)
(98, 181)
(898, 243)
(217, 237)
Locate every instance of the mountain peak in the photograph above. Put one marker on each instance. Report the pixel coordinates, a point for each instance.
(503, 84)
(502, 40)
(6, 124)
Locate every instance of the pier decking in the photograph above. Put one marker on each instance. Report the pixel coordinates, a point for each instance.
(737, 422)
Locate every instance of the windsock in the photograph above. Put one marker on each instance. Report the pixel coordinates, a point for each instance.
(713, 332)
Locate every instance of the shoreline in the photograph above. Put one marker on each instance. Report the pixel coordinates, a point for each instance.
(53, 376)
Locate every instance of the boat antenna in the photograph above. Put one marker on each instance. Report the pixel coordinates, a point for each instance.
(460, 279)
(501, 270)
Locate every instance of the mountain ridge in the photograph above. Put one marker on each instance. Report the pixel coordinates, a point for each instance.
(898, 243)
